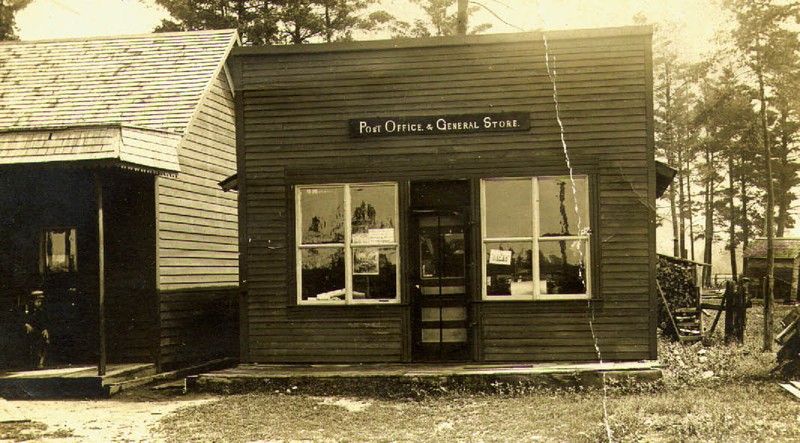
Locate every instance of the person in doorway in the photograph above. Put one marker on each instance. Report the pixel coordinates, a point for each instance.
(36, 323)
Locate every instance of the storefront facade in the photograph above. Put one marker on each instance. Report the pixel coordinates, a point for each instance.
(474, 199)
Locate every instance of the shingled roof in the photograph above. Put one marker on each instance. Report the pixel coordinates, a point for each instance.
(152, 81)
(124, 101)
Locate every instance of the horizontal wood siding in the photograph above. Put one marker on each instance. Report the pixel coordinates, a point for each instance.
(198, 325)
(295, 112)
(198, 258)
(197, 219)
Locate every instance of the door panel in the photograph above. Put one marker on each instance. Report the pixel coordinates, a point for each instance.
(441, 314)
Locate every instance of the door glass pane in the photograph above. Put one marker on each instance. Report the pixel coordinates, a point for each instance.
(373, 218)
(374, 273)
(322, 274)
(562, 266)
(557, 206)
(508, 268)
(453, 254)
(429, 252)
(322, 212)
(508, 208)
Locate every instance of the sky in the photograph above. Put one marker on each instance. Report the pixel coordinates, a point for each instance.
(695, 21)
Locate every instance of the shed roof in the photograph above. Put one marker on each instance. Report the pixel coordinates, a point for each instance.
(784, 248)
(151, 81)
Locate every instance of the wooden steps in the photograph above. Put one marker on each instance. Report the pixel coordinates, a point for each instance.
(793, 387)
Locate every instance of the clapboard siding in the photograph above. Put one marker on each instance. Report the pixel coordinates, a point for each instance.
(198, 232)
(197, 325)
(295, 104)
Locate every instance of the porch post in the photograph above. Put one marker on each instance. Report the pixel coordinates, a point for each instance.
(101, 273)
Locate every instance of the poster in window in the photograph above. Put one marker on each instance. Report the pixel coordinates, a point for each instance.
(366, 261)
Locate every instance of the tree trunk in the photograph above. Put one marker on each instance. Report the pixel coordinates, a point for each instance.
(681, 206)
(744, 219)
(769, 293)
(676, 233)
(732, 215)
(708, 233)
(691, 213)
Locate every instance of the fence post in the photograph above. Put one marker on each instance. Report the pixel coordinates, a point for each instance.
(729, 310)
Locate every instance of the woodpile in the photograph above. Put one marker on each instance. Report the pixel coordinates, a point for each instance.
(679, 313)
(789, 339)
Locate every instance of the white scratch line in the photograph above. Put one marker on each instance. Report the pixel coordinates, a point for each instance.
(553, 75)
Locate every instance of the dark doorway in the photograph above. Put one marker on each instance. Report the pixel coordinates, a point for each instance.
(439, 264)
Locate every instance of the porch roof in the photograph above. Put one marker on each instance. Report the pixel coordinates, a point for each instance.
(126, 146)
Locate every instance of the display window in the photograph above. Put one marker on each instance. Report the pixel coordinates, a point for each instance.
(347, 244)
(535, 238)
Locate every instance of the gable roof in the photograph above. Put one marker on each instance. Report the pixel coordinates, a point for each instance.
(153, 81)
(783, 248)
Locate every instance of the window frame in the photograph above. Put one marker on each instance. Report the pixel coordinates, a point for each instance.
(72, 255)
(535, 239)
(347, 246)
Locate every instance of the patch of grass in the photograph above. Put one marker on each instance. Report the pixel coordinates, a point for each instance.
(711, 391)
(29, 431)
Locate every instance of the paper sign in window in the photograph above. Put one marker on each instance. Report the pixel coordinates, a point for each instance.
(382, 235)
(499, 257)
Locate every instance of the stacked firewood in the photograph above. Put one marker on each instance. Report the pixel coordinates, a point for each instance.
(789, 339)
(678, 313)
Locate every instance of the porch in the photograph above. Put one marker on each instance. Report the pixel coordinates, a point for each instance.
(411, 379)
(73, 381)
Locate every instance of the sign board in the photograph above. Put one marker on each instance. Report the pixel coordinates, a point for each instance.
(445, 124)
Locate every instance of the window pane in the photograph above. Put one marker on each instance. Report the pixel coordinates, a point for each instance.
(508, 268)
(562, 266)
(557, 214)
(374, 217)
(374, 273)
(60, 250)
(508, 208)
(322, 211)
(322, 274)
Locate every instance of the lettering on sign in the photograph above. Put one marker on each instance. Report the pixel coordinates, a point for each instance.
(427, 125)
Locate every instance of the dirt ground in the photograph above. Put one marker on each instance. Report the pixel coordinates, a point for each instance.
(127, 417)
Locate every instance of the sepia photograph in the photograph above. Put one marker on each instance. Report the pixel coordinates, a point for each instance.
(399, 221)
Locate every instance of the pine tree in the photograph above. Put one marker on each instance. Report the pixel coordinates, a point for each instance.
(8, 12)
(764, 39)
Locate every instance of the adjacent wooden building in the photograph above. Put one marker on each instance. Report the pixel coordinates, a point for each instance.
(111, 150)
(478, 199)
(787, 267)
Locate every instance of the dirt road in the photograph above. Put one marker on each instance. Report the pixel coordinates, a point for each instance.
(127, 417)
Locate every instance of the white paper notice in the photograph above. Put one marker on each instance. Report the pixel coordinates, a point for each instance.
(498, 257)
(383, 235)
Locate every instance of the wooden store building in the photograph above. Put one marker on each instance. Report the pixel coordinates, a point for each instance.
(472, 199)
(111, 151)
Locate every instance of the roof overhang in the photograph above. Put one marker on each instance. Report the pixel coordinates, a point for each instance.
(664, 176)
(127, 147)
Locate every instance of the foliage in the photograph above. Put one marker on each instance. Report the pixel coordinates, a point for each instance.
(264, 22)
(440, 20)
(8, 11)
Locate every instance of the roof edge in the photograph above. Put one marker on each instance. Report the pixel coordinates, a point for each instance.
(400, 43)
(94, 126)
(120, 36)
